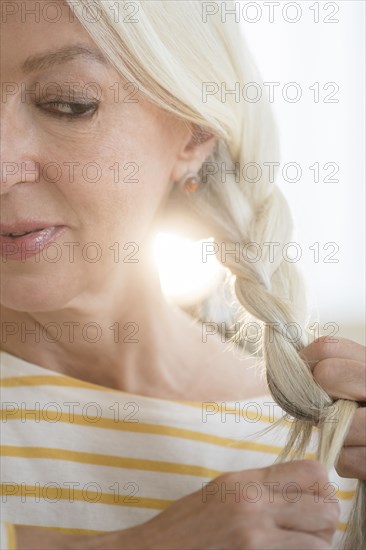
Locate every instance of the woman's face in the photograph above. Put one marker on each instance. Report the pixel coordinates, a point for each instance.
(97, 169)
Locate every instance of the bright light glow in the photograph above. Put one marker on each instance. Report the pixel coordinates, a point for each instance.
(185, 278)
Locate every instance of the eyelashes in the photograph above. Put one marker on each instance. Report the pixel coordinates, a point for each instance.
(69, 110)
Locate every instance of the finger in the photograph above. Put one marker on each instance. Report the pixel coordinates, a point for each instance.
(297, 541)
(324, 347)
(356, 436)
(304, 513)
(352, 463)
(275, 539)
(342, 378)
(309, 475)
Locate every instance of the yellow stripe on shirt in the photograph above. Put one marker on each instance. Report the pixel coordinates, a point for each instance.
(109, 460)
(142, 427)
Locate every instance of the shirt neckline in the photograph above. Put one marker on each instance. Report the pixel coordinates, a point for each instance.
(77, 382)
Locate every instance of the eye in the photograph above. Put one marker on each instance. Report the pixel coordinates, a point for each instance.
(69, 109)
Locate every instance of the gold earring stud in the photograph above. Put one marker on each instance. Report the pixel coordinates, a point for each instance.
(189, 183)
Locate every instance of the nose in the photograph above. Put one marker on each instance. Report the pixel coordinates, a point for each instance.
(18, 150)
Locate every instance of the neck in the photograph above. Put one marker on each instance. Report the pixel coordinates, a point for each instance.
(128, 338)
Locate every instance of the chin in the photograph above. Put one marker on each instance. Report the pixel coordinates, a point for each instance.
(36, 292)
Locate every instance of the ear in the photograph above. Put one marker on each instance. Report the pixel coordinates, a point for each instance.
(194, 151)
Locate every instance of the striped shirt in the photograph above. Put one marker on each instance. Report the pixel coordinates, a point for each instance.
(82, 458)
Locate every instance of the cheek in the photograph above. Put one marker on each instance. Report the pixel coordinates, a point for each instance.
(115, 171)
(114, 187)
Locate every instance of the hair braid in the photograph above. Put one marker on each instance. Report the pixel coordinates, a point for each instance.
(273, 293)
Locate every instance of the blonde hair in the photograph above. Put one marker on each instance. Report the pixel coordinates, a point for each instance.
(170, 51)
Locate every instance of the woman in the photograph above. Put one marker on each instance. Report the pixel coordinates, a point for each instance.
(115, 406)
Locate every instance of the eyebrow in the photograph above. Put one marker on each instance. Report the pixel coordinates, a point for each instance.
(63, 55)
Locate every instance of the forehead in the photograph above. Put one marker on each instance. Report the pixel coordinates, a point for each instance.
(32, 27)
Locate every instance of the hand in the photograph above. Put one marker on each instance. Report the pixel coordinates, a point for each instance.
(238, 510)
(339, 367)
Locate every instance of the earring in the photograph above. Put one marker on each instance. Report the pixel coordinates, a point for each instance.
(190, 182)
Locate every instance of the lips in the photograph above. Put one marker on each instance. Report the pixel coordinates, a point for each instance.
(21, 234)
(25, 226)
(25, 239)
